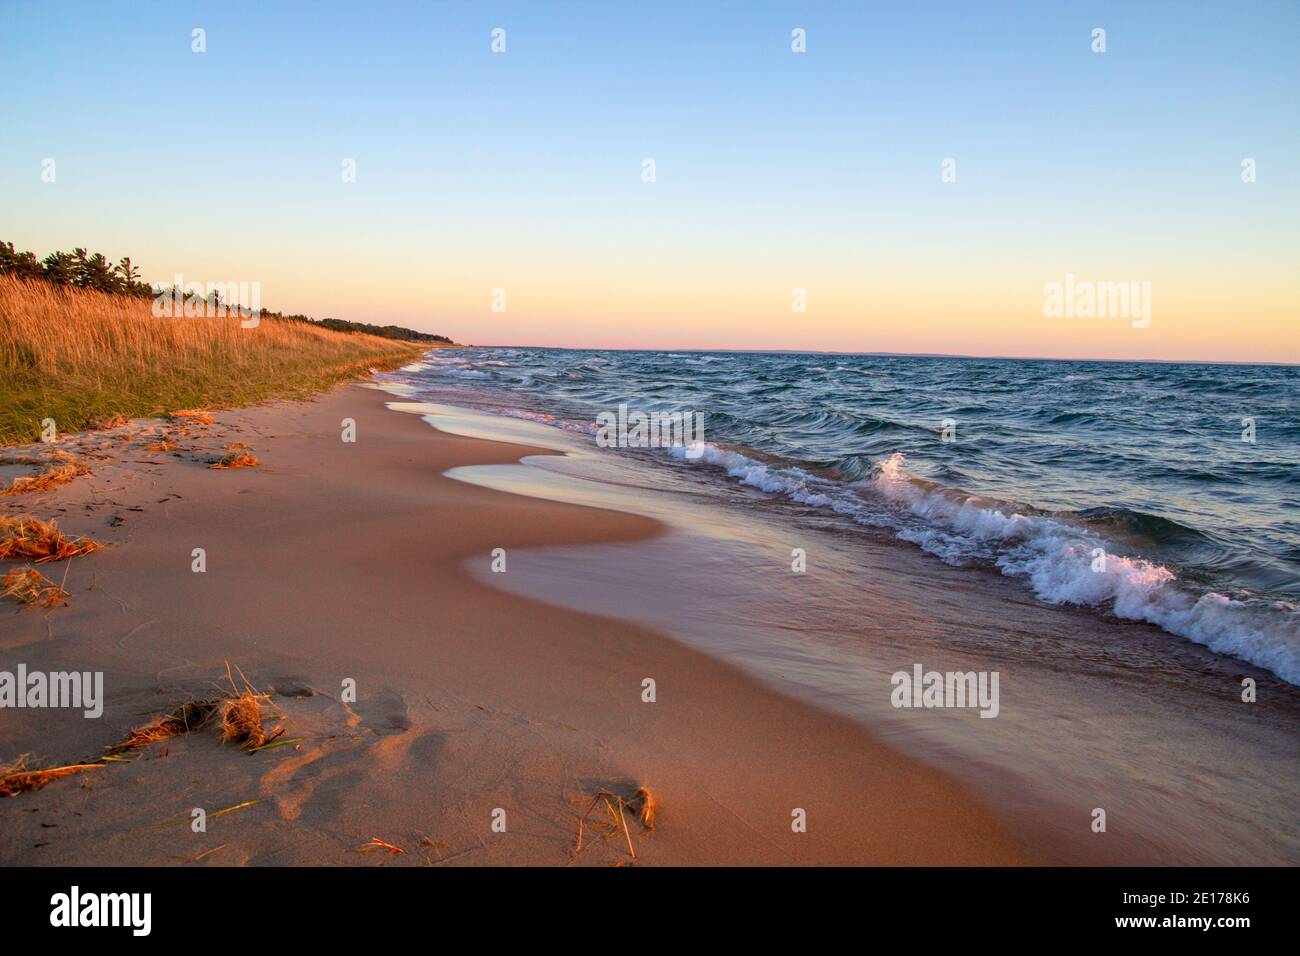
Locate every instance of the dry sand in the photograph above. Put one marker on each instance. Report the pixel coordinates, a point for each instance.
(334, 561)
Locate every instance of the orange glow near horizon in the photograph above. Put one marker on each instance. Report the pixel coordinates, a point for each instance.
(1192, 319)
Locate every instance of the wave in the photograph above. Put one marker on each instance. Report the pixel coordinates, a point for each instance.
(1065, 564)
(1147, 527)
(1062, 563)
(1070, 418)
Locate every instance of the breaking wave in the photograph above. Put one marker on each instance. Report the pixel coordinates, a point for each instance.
(1063, 562)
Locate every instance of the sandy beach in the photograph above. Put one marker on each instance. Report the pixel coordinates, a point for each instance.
(334, 562)
(777, 450)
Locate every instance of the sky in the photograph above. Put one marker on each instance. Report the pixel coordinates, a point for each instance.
(774, 170)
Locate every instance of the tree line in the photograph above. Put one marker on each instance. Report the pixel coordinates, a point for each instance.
(385, 331)
(76, 268)
(96, 271)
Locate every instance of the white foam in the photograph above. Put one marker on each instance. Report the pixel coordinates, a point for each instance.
(1059, 562)
(545, 419)
(1055, 558)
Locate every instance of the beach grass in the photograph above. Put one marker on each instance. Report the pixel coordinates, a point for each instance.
(236, 456)
(239, 713)
(84, 358)
(31, 539)
(19, 777)
(58, 470)
(29, 587)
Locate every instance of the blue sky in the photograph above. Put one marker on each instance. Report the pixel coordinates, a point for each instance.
(521, 170)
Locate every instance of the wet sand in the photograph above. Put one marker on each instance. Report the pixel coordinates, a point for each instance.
(334, 562)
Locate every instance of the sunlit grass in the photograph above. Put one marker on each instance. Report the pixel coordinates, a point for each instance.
(80, 357)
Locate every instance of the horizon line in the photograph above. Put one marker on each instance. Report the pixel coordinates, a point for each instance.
(941, 355)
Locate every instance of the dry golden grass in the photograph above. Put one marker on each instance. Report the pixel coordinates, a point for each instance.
(241, 720)
(642, 805)
(28, 586)
(188, 717)
(191, 416)
(18, 778)
(79, 356)
(32, 539)
(236, 456)
(239, 714)
(61, 470)
(378, 844)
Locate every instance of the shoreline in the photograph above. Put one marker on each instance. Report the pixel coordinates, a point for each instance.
(333, 561)
(1100, 712)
